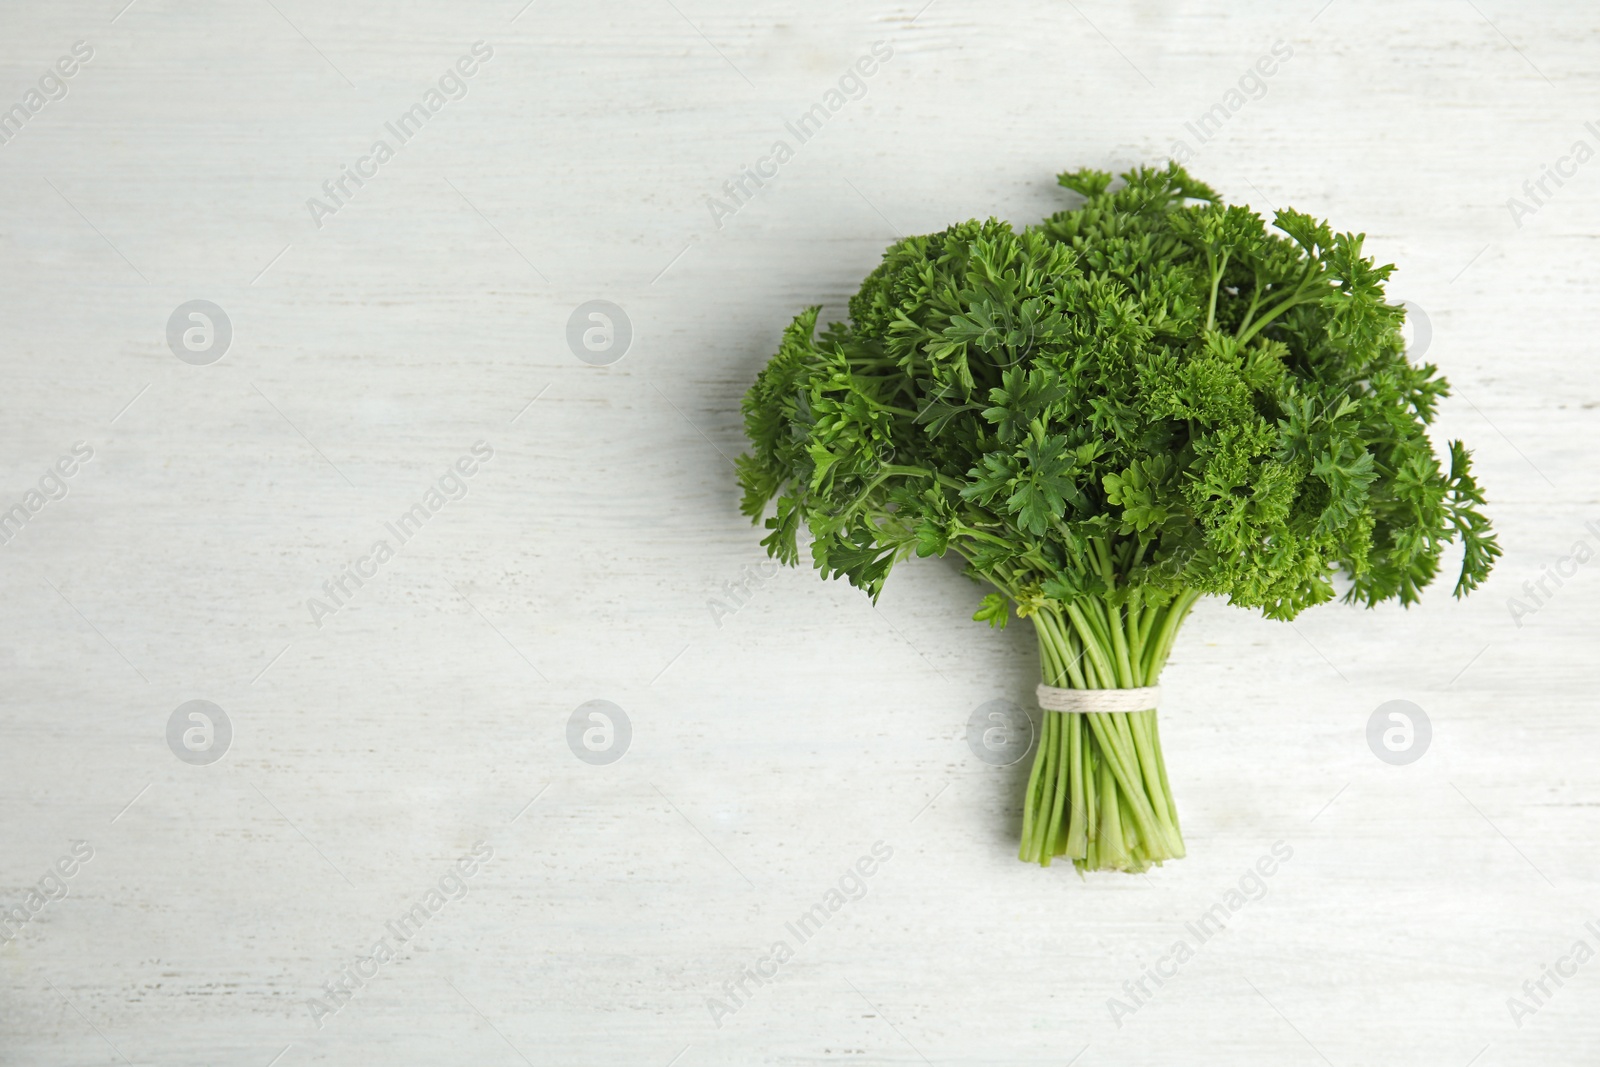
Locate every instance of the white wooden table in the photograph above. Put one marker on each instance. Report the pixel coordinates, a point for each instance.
(375, 742)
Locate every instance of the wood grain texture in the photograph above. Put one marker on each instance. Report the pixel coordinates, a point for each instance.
(772, 747)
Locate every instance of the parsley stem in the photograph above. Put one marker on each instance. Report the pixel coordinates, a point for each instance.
(1098, 792)
(1298, 296)
(1255, 302)
(1135, 612)
(1217, 271)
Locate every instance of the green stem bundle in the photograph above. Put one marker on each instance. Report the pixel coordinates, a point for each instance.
(1098, 792)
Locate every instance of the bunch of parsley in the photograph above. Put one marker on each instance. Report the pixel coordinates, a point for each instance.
(1143, 400)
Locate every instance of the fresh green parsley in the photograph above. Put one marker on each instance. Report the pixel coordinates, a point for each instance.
(1143, 400)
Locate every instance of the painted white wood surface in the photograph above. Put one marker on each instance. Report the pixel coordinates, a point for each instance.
(772, 750)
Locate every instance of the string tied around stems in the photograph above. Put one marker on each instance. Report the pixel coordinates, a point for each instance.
(1101, 701)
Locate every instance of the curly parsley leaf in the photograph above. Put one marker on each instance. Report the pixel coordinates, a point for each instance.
(1148, 394)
